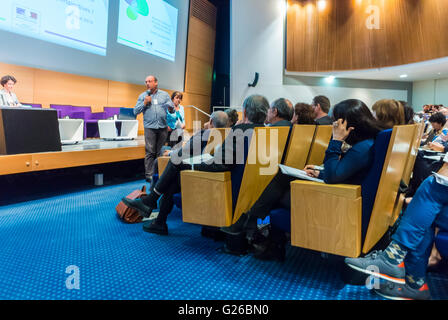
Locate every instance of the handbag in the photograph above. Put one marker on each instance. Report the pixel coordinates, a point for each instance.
(127, 214)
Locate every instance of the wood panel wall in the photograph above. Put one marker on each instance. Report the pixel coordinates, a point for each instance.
(50, 87)
(336, 37)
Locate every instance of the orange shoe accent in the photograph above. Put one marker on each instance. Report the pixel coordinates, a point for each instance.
(424, 287)
(401, 265)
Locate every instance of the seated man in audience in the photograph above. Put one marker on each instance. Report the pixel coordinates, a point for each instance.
(321, 106)
(403, 263)
(280, 114)
(437, 121)
(219, 119)
(231, 153)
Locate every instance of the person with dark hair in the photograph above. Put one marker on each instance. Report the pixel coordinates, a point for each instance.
(176, 120)
(409, 113)
(437, 121)
(255, 109)
(355, 124)
(233, 116)
(303, 114)
(7, 96)
(154, 104)
(389, 113)
(321, 106)
(279, 113)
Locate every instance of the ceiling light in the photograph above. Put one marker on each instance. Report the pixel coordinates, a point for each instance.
(330, 79)
(321, 5)
(404, 76)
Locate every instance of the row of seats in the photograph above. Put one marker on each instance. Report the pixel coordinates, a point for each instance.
(339, 219)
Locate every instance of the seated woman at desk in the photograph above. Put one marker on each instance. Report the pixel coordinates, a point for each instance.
(7, 96)
(176, 120)
(355, 125)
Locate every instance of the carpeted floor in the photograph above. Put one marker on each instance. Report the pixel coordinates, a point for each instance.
(53, 244)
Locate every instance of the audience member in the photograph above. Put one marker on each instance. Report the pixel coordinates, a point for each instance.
(255, 109)
(409, 113)
(321, 106)
(437, 121)
(389, 113)
(404, 262)
(233, 116)
(219, 119)
(279, 113)
(303, 114)
(154, 104)
(175, 120)
(7, 96)
(354, 124)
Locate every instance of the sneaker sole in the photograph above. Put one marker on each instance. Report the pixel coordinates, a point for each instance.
(379, 275)
(392, 298)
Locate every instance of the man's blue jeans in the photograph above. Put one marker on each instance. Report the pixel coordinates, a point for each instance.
(428, 208)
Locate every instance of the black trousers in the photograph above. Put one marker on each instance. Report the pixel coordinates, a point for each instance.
(154, 140)
(276, 194)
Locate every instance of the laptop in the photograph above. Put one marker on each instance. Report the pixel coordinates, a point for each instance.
(126, 114)
(71, 131)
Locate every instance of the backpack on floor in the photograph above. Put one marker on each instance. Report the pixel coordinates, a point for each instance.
(127, 214)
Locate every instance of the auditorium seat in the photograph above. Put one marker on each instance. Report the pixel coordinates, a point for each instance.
(110, 112)
(64, 110)
(408, 169)
(219, 198)
(335, 218)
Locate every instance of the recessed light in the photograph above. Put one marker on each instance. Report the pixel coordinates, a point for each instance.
(404, 76)
(330, 79)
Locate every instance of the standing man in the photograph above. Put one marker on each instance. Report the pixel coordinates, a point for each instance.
(321, 107)
(154, 104)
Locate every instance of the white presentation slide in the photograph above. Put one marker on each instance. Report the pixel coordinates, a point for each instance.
(79, 24)
(149, 26)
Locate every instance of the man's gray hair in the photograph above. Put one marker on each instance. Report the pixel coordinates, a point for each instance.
(256, 107)
(284, 111)
(219, 119)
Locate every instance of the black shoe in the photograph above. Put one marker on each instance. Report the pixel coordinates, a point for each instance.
(271, 251)
(149, 180)
(244, 223)
(138, 205)
(152, 226)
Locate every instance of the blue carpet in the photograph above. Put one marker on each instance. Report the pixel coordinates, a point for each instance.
(41, 238)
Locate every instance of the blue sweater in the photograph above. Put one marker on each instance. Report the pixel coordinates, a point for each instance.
(350, 167)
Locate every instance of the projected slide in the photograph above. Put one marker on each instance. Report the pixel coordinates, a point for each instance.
(79, 24)
(149, 26)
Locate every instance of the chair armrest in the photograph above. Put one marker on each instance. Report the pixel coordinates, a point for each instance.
(206, 198)
(326, 217)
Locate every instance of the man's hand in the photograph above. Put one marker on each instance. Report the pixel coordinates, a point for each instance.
(148, 100)
(310, 171)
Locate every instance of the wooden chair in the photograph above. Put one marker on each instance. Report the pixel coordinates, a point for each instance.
(321, 139)
(208, 198)
(299, 145)
(333, 218)
(408, 169)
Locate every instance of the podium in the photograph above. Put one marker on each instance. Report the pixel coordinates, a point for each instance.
(28, 130)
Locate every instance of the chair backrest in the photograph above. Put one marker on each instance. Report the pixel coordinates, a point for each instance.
(418, 133)
(264, 154)
(299, 145)
(320, 143)
(81, 112)
(109, 112)
(64, 110)
(392, 169)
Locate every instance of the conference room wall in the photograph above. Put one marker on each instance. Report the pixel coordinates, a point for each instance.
(430, 92)
(257, 45)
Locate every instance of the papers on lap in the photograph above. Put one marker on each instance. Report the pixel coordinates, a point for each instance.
(300, 174)
(198, 159)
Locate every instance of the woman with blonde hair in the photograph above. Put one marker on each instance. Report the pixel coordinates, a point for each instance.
(389, 113)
